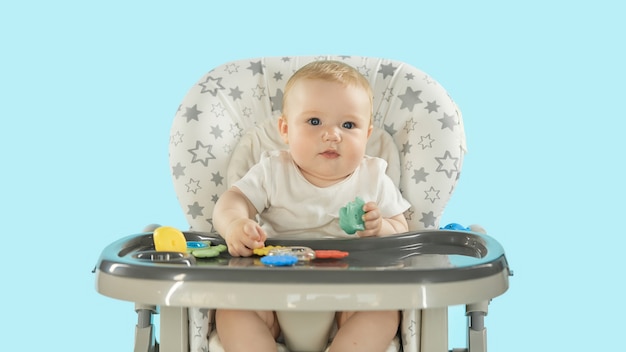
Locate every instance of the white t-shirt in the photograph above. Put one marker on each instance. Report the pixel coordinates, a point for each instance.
(290, 206)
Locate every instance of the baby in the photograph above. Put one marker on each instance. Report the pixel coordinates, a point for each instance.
(326, 122)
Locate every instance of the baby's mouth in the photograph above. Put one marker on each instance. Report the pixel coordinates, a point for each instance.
(330, 154)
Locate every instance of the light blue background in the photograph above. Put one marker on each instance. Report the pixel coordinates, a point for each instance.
(89, 89)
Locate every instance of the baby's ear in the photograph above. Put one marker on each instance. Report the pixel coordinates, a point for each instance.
(369, 130)
(283, 128)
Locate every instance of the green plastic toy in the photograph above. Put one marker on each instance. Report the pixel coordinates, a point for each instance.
(351, 216)
(208, 252)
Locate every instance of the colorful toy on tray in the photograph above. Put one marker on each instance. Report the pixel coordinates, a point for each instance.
(290, 255)
(351, 216)
(170, 239)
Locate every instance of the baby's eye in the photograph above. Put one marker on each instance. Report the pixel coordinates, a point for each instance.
(314, 121)
(348, 125)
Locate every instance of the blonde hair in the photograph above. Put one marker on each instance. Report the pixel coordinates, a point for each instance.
(331, 71)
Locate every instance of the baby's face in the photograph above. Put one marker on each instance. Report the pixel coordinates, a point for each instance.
(326, 125)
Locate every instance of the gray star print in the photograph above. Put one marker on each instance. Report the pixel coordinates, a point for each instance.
(176, 138)
(178, 170)
(231, 68)
(410, 125)
(210, 81)
(387, 94)
(217, 178)
(192, 113)
(201, 153)
(409, 213)
(198, 329)
(218, 109)
(210, 221)
(406, 148)
(193, 185)
(216, 131)
(235, 130)
(432, 106)
(387, 70)
(256, 67)
(364, 70)
(412, 327)
(389, 129)
(195, 210)
(235, 93)
(205, 313)
(426, 141)
(410, 98)
(419, 175)
(447, 164)
(277, 100)
(258, 92)
(428, 219)
(432, 194)
(447, 121)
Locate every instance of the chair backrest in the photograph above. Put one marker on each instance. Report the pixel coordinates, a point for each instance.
(232, 110)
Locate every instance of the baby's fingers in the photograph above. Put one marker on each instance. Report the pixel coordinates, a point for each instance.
(243, 236)
(255, 236)
(372, 220)
(371, 216)
(237, 249)
(370, 206)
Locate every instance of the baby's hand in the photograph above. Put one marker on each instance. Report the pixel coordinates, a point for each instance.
(372, 219)
(243, 236)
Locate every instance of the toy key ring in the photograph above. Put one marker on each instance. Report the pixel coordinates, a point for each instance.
(304, 254)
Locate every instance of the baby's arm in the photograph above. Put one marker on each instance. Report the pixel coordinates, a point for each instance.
(233, 218)
(376, 225)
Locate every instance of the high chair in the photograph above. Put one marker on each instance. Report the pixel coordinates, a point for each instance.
(223, 125)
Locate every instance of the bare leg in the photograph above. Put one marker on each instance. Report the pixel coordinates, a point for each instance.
(244, 330)
(367, 331)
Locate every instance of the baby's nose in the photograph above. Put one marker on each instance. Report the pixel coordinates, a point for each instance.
(331, 134)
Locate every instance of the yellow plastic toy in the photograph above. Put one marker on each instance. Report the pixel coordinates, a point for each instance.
(263, 251)
(169, 239)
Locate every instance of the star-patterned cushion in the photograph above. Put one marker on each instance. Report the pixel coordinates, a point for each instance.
(230, 100)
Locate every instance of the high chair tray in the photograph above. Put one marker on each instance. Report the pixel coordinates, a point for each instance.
(430, 268)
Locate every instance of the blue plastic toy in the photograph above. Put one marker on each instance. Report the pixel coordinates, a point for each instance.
(455, 227)
(198, 244)
(279, 260)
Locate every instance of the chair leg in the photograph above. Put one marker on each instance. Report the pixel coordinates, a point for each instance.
(434, 330)
(145, 340)
(476, 331)
(174, 329)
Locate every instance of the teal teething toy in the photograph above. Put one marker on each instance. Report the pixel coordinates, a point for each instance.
(351, 216)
